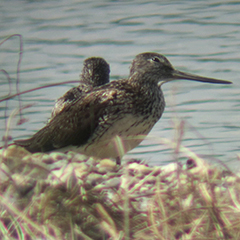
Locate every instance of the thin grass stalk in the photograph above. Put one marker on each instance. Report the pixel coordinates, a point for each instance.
(126, 207)
(154, 223)
(161, 207)
(4, 231)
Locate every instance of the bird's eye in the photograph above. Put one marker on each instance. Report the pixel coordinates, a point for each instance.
(155, 59)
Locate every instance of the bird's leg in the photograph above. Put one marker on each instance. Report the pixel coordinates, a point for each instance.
(118, 160)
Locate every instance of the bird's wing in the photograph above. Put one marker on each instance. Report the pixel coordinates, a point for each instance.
(74, 125)
(70, 96)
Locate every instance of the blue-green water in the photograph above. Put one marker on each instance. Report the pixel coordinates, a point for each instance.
(200, 37)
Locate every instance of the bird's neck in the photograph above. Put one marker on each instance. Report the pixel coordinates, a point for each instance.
(143, 80)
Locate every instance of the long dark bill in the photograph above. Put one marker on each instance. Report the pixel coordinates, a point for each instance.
(182, 75)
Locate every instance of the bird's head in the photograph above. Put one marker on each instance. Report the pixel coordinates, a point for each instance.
(155, 68)
(95, 71)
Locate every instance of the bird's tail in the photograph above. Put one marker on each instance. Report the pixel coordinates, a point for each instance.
(27, 144)
(23, 142)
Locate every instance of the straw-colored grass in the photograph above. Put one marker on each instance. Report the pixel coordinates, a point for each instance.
(71, 196)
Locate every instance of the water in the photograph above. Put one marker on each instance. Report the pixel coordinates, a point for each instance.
(200, 37)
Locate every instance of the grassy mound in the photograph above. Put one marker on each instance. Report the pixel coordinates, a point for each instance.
(71, 196)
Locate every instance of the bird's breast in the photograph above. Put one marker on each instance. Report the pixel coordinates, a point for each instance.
(120, 131)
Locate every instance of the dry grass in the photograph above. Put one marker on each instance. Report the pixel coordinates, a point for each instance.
(57, 196)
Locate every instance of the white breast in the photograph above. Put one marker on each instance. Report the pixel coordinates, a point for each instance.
(124, 135)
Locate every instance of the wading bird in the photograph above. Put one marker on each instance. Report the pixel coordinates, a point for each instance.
(125, 109)
(95, 73)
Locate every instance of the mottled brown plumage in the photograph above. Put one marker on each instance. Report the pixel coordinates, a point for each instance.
(125, 109)
(95, 73)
